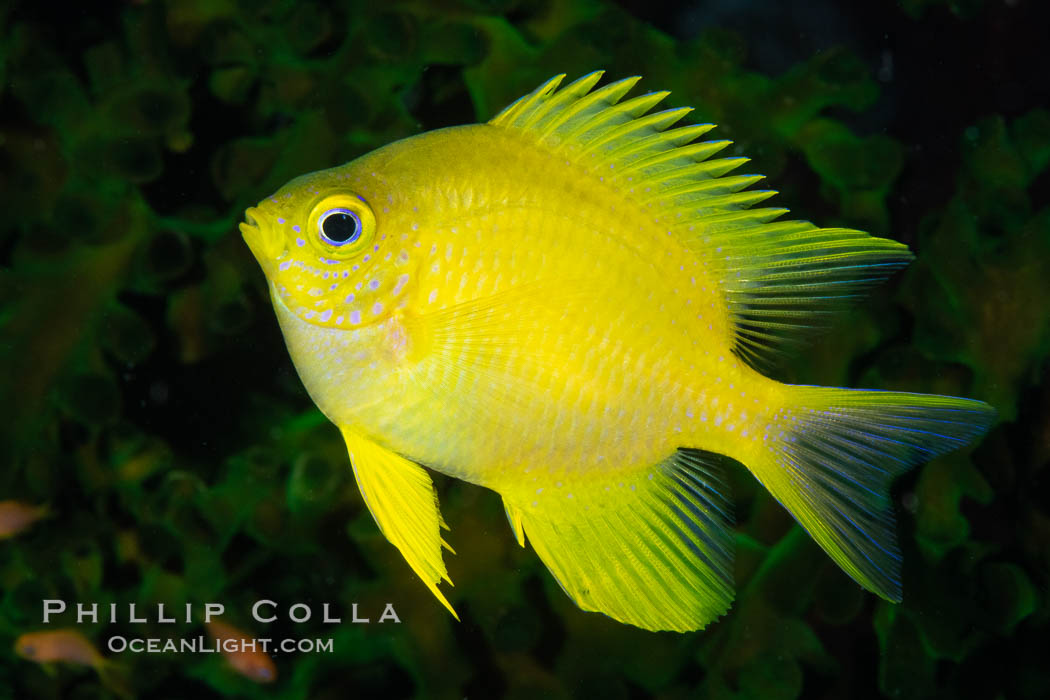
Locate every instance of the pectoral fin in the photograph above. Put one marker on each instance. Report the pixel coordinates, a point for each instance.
(494, 349)
(401, 498)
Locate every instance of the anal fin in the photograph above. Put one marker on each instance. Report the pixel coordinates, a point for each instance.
(514, 518)
(401, 497)
(653, 549)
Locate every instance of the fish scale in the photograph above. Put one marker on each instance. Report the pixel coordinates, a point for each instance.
(591, 221)
(571, 305)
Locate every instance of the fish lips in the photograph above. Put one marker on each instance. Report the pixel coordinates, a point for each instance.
(261, 239)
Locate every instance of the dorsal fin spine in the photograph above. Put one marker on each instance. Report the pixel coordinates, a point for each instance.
(670, 149)
(592, 106)
(731, 221)
(672, 139)
(616, 120)
(516, 108)
(739, 200)
(706, 169)
(553, 106)
(722, 185)
(595, 102)
(635, 154)
(702, 150)
(620, 138)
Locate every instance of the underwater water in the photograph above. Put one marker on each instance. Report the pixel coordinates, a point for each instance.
(147, 400)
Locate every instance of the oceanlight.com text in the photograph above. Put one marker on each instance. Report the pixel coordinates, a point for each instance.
(205, 645)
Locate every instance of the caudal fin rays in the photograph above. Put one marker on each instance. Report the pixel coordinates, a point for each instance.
(833, 454)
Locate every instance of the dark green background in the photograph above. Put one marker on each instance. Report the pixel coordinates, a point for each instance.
(146, 396)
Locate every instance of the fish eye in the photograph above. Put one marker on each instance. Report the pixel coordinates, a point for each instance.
(339, 227)
(28, 650)
(344, 223)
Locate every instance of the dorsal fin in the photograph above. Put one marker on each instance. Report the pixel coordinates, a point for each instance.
(780, 278)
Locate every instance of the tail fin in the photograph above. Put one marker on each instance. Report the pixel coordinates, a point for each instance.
(833, 453)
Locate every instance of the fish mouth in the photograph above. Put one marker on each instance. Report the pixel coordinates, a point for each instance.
(261, 239)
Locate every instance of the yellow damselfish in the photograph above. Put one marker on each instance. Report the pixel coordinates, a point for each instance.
(569, 305)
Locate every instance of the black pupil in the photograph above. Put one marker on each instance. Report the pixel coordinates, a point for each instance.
(340, 228)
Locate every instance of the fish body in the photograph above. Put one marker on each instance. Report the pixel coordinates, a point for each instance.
(68, 646)
(623, 365)
(243, 653)
(569, 305)
(59, 646)
(16, 517)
